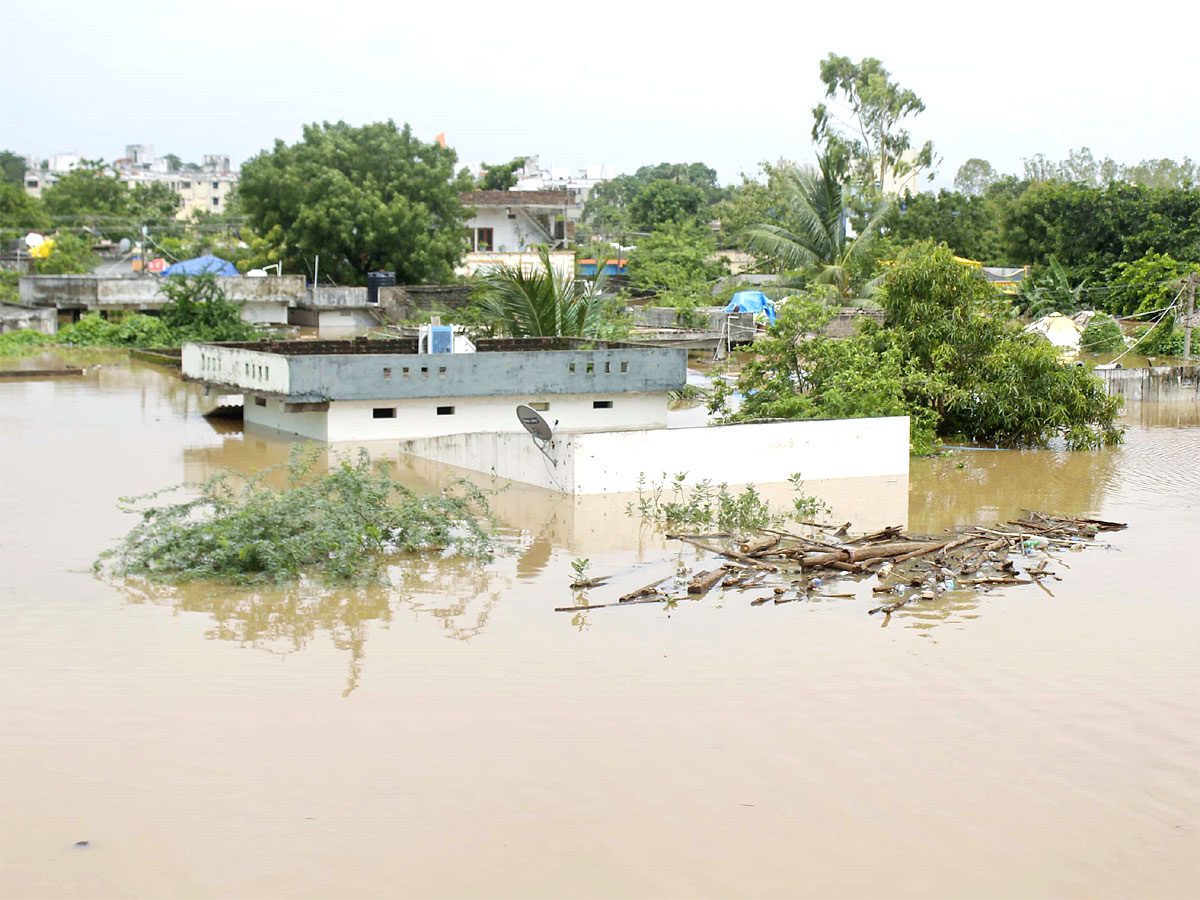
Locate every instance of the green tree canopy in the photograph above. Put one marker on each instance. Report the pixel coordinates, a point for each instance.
(88, 193)
(363, 198)
(501, 177)
(613, 206)
(20, 213)
(663, 202)
(949, 355)
(975, 176)
(970, 225)
(1090, 230)
(12, 168)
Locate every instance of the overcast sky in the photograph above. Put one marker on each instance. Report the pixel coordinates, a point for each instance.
(615, 82)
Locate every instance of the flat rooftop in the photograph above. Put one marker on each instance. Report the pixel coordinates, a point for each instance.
(400, 346)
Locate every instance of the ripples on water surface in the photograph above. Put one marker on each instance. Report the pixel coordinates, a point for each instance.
(454, 736)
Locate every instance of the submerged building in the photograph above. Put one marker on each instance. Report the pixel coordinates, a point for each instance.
(364, 390)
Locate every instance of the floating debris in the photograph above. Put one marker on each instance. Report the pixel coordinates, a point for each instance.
(908, 567)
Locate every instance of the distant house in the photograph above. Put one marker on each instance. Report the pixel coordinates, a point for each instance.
(506, 226)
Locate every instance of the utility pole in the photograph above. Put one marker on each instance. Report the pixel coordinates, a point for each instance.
(1191, 317)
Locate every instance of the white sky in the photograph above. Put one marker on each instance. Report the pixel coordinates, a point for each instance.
(624, 83)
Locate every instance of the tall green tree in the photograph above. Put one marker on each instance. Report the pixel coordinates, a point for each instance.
(663, 202)
(814, 237)
(873, 143)
(20, 213)
(676, 263)
(975, 176)
(89, 194)
(970, 225)
(363, 198)
(613, 206)
(501, 177)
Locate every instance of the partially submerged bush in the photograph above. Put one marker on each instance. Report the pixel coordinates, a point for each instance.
(675, 504)
(949, 355)
(1102, 335)
(344, 524)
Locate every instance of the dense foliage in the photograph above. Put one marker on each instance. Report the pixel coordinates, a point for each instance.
(362, 199)
(949, 355)
(343, 524)
(653, 195)
(1102, 335)
(675, 264)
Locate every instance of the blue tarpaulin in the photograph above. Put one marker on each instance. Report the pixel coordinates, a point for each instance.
(202, 265)
(752, 302)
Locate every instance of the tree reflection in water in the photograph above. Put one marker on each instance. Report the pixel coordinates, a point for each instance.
(285, 619)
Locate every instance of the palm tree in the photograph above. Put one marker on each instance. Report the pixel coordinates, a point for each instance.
(814, 237)
(541, 303)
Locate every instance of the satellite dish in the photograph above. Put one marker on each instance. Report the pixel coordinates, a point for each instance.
(538, 430)
(33, 239)
(534, 423)
(123, 247)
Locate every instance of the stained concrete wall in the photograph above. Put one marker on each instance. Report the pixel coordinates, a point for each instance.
(355, 421)
(595, 463)
(266, 299)
(18, 318)
(238, 367)
(1152, 384)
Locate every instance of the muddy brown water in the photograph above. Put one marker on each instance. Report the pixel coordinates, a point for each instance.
(456, 737)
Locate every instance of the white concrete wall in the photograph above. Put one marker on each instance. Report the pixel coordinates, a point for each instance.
(597, 463)
(833, 448)
(271, 415)
(260, 312)
(343, 323)
(253, 370)
(563, 262)
(354, 420)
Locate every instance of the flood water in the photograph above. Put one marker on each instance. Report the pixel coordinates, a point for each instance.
(456, 736)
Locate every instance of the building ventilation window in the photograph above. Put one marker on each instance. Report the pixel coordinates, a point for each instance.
(404, 372)
(624, 368)
(260, 401)
(591, 368)
(607, 368)
(383, 412)
(441, 371)
(571, 368)
(424, 372)
(445, 410)
(539, 405)
(387, 373)
(601, 404)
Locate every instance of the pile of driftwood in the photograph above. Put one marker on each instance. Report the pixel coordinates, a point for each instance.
(907, 568)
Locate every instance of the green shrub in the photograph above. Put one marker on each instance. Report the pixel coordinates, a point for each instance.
(17, 343)
(343, 525)
(1163, 339)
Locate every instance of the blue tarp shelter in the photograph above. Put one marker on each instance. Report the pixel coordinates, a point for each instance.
(202, 265)
(752, 302)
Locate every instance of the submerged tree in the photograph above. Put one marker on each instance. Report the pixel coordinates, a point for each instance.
(949, 355)
(814, 237)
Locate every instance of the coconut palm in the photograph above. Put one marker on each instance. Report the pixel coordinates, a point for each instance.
(541, 302)
(813, 237)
